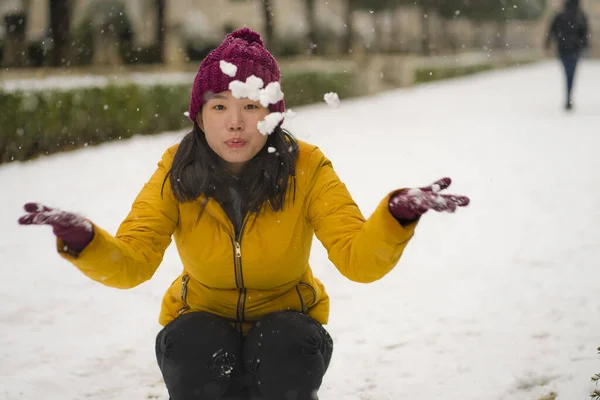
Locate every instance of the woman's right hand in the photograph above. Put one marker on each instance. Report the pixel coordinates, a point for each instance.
(75, 230)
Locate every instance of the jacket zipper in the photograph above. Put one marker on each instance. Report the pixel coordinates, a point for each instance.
(239, 277)
(184, 281)
(237, 270)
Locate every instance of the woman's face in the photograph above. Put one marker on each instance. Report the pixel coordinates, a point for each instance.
(230, 126)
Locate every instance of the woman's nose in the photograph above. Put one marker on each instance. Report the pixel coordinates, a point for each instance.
(235, 122)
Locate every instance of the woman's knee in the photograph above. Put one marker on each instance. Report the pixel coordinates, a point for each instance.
(197, 333)
(288, 333)
(199, 355)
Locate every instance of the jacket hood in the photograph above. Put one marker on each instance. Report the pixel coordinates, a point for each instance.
(571, 5)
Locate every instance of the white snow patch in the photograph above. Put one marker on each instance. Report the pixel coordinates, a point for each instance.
(289, 114)
(332, 99)
(253, 90)
(268, 125)
(249, 89)
(272, 94)
(482, 297)
(228, 68)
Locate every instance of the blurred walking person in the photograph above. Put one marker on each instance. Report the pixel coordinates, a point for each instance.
(569, 29)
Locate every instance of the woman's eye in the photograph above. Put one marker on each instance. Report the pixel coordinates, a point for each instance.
(251, 106)
(219, 107)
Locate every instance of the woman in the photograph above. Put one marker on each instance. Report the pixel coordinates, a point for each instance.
(245, 318)
(569, 29)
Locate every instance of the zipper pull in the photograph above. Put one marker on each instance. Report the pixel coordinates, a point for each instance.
(238, 250)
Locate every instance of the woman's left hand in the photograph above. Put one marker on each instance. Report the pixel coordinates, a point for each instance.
(408, 205)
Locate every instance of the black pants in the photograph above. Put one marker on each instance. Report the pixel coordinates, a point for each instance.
(283, 357)
(569, 62)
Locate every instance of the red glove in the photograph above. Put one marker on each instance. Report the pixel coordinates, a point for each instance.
(407, 205)
(76, 231)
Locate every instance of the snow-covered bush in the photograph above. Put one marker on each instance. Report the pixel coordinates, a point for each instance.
(44, 122)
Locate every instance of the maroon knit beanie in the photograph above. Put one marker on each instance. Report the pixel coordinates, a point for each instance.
(245, 49)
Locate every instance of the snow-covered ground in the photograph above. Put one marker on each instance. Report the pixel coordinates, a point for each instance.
(498, 301)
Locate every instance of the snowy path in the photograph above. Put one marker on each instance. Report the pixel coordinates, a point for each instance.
(499, 301)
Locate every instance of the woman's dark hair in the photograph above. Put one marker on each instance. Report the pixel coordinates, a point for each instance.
(198, 170)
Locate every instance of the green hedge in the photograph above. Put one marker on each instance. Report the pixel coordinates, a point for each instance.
(44, 122)
(308, 87)
(33, 123)
(423, 75)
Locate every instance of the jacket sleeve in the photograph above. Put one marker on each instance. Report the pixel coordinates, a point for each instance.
(135, 252)
(362, 250)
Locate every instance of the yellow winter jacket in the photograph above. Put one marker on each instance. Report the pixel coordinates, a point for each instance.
(266, 269)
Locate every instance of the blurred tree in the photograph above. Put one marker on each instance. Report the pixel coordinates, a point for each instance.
(349, 22)
(501, 12)
(312, 26)
(377, 8)
(160, 30)
(269, 22)
(60, 22)
(427, 8)
(14, 53)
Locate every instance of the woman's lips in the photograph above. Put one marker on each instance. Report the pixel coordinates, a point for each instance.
(235, 143)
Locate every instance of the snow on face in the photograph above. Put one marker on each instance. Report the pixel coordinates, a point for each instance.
(253, 90)
(332, 99)
(228, 68)
(268, 125)
(249, 89)
(272, 94)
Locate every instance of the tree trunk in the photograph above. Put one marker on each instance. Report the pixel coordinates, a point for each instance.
(311, 22)
(106, 45)
(425, 29)
(396, 32)
(15, 46)
(60, 21)
(378, 26)
(503, 35)
(160, 31)
(269, 22)
(349, 22)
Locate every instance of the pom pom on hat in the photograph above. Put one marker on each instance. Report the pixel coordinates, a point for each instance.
(245, 49)
(248, 35)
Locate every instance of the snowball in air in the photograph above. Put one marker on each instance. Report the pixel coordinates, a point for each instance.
(228, 68)
(268, 125)
(271, 149)
(332, 99)
(186, 113)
